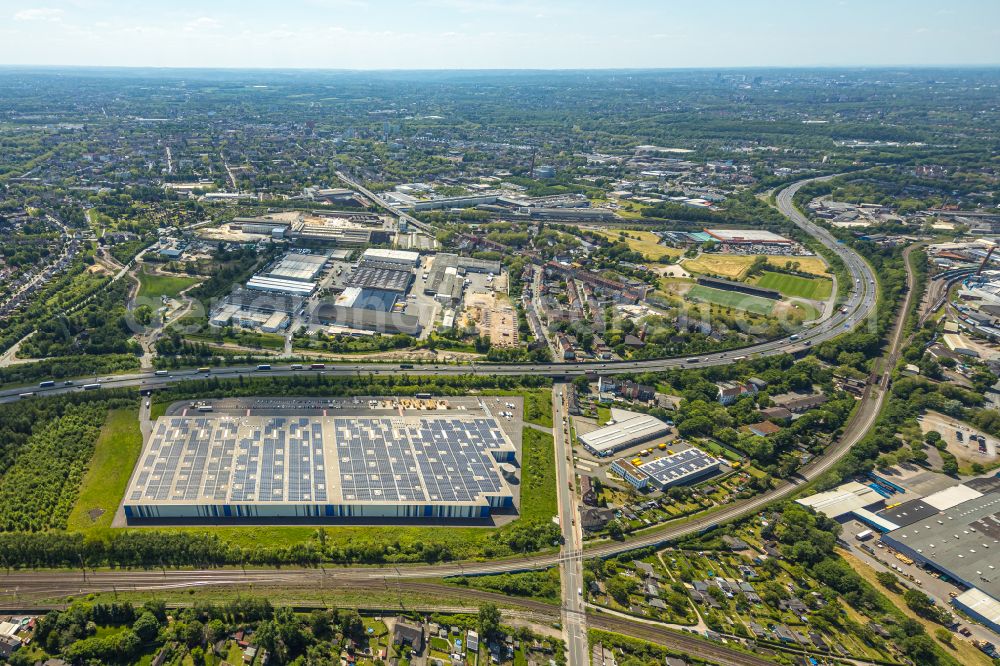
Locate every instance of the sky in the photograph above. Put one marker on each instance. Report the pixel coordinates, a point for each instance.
(505, 34)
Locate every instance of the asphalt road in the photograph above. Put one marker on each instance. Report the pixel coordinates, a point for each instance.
(860, 304)
(855, 310)
(856, 428)
(574, 614)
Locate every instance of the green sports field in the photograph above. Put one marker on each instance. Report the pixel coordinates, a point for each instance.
(816, 289)
(155, 286)
(731, 299)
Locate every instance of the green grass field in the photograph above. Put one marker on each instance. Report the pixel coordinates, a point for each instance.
(816, 289)
(115, 453)
(155, 286)
(808, 311)
(731, 299)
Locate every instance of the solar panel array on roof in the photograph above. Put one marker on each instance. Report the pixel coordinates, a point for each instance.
(311, 460)
(434, 460)
(388, 278)
(673, 468)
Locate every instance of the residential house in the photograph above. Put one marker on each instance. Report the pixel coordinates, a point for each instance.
(587, 493)
(404, 633)
(776, 414)
(762, 428)
(730, 392)
(593, 518)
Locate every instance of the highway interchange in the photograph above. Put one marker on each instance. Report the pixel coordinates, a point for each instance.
(856, 308)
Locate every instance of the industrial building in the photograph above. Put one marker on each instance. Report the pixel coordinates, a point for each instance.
(347, 229)
(365, 319)
(747, 237)
(403, 258)
(446, 277)
(954, 531)
(628, 429)
(220, 467)
(296, 266)
(960, 542)
(367, 276)
(847, 501)
(281, 286)
(294, 274)
(661, 473)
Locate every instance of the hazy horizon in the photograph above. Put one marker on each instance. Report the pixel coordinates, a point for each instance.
(478, 35)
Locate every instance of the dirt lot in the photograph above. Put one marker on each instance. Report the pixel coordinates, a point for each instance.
(967, 452)
(734, 266)
(494, 317)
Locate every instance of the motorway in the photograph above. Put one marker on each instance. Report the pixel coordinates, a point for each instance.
(859, 305)
(854, 311)
(859, 424)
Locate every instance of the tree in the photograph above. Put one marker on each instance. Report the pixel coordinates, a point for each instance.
(146, 627)
(943, 635)
(887, 579)
(489, 621)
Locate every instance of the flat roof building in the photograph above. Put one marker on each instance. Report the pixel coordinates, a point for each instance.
(366, 319)
(960, 542)
(294, 266)
(223, 467)
(381, 277)
(679, 468)
(843, 500)
(281, 285)
(629, 429)
(445, 264)
(736, 236)
(401, 257)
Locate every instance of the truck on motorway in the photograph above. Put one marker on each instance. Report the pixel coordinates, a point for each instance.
(204, 369)
(794, 336)
(405, 366)
(317, 366)
(91, 387)
(22, 396)
(160, 373)
(46, 384)
(296, 366)
(264, 366)
(693, 359)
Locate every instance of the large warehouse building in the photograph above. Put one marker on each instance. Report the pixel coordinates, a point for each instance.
(747, 237)
(628, 429)
(954, 531)
(959, 540)
(408, 467)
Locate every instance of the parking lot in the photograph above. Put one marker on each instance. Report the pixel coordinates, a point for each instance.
(958, 435)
